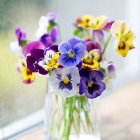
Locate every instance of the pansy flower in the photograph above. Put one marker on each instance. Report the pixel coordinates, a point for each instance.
(91, 60)
(110, 75)
(91, 45)
(33, 52)
(93, 55)
(65, 81)
(50, 59)
(71, 52)
(27, 75)
(49, 38)
(124, 37)
(92, 85)
(46, 23)
(89, 22)
(21, 36)
(17, 46)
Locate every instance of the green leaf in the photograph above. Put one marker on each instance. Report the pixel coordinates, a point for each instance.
(23, 43)
(79, 32)
(103, 71)
(50, 26)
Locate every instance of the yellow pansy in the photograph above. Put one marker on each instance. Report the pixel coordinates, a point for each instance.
(27, 75)
(124, 37)
(88, 22)
(91, 60)
(99, 22)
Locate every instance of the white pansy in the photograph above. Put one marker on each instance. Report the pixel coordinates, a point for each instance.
(43, 25)
(64, 81)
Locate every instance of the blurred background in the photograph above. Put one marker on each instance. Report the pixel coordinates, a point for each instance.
(18, 100)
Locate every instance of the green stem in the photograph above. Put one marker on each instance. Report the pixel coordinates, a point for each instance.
(87, 31)
(106, 43)
(68, 117)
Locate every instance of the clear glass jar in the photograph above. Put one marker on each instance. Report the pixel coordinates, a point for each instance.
(73, 118)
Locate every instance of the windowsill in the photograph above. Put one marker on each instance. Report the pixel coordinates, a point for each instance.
(22, 126)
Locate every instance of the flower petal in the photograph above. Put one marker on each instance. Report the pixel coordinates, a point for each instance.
(119, 27)
(46, 40)
(32, 45)
(96, 75)
(79, 49)
(65, 60)
(15, 48)
(82, 87)
(75, 40)
(64, 47)
(90, 45)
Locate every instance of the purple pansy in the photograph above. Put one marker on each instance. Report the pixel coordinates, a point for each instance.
(31, 46)
(92, 85)
(32, 61)
(21, 36)
(71, 52)
(49, 39)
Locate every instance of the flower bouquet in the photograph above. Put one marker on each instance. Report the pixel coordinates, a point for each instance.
(76, 69)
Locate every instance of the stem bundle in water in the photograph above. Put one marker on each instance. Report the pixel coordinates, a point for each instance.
(74, 119)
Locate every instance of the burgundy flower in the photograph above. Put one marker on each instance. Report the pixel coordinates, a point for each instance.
(91, 45)
(32, 61)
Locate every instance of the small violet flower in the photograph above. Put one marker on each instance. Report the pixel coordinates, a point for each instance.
(111, 71)
(71, 52)
(111, 75)
(21, 36)
(49, 39)
(65, 81)
(16, 47)
(92, 85)
(45, 22)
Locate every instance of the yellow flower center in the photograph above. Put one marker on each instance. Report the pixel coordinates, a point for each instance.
(71, 54)
(53, 63)
(90, 84)
(66, 80)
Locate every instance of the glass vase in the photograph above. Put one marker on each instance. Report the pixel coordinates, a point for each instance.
(73, 118)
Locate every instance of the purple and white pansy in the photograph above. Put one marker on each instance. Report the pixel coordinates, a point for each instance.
(16, 47)
(65, 80)
(46, 23)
